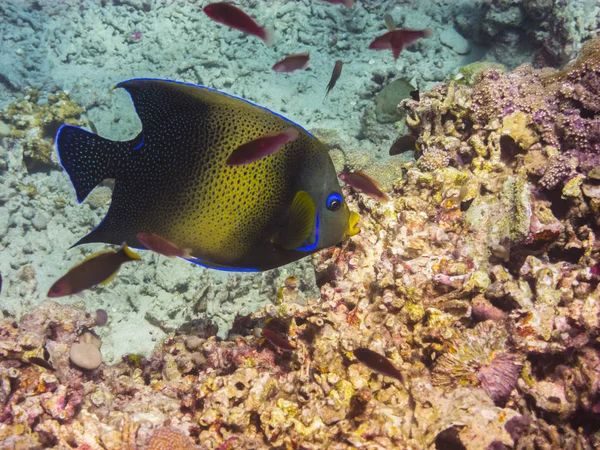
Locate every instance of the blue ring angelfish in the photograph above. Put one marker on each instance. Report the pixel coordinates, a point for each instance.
(334, 201)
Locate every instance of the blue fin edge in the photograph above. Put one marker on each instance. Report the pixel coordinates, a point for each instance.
(219, 91)
(311, 247)
(211, 265)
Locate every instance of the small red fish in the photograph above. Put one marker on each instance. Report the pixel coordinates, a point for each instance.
(337, 71)
(160, 245)
(100, 267)
(290, 63)
(234, 17)
(365, 184)
(262, 146)
(277, 340)
(135, 36)
(346, 3)
(378, 363)
(396, 40)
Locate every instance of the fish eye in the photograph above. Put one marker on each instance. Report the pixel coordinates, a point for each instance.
(334, 201)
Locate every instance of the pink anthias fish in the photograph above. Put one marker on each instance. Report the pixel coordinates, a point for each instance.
(290, 63)
(365, 184)
(234, 17)
(261, 147)
(160, 245)
(396, 40)
(278, 340)
(346, 3)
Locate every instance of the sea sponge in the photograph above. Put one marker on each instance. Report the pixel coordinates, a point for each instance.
(85, 356)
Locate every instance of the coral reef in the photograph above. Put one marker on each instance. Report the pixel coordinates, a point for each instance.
(34, 121)
(479, 281)
(556, 28)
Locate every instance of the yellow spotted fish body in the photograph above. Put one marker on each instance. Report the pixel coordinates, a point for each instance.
(172, 180)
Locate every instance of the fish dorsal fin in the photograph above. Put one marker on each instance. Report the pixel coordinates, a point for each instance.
(300, 222)
(173, 110)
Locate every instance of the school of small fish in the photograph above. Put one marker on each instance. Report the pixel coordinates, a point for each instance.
(308, 226)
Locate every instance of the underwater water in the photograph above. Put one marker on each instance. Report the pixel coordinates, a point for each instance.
(473, 160)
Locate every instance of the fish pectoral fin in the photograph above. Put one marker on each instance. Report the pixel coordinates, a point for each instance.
(299, 224)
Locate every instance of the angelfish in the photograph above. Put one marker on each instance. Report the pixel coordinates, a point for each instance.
(172, 180)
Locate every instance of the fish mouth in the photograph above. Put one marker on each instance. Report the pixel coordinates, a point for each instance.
(352, 222)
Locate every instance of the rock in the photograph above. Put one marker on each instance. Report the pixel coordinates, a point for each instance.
(85, 356)
(452, 39)
(40, 221)
(4, 129)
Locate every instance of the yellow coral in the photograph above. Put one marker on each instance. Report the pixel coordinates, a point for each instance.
(516, 125)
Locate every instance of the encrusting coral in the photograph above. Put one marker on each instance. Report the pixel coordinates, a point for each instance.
(34, 123)
(479, 281)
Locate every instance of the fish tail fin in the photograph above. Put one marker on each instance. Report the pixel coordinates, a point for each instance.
(348, 3)
(269, 37)
(87, 158)
(130, 254)
(427, 33)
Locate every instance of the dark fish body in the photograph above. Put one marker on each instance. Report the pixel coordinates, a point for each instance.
(396, 40)
(95, 269)
(173, 181)
(233, 17)
(262, 146)
(403, 144)
(290, 63)
(365, 184)
(378, 363)
(277, 340)
(337, 71)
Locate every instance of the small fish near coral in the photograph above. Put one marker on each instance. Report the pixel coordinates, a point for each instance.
(365, 184)
(403, 144)
(290, 63)
(261, 147)
(98, 268)
(277, 340)
(378, 363)
(253, 217)
(234, 17)
(397, 40)
(337, 71)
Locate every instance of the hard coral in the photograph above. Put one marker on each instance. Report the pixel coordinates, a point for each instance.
(36, 123)
(169, 438)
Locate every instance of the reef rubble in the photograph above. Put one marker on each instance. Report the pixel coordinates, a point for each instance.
(479, 281)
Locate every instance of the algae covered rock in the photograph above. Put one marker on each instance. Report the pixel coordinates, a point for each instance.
(36, 120)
